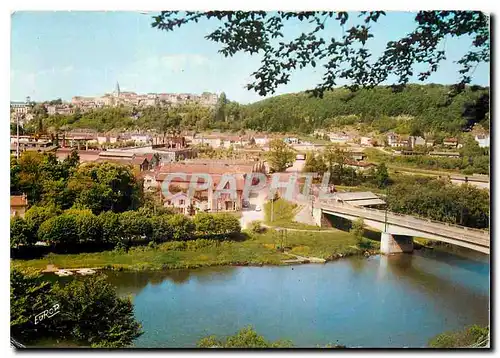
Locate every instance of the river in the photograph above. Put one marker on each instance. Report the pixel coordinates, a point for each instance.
(397, 301)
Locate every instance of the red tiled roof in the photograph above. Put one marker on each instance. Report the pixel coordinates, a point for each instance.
(123, 161)
(209, 168)
(216, 179)
(139, 160)
(18, 200)
(360, 164)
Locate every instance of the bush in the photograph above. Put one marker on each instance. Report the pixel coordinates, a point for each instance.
(256, 227)
(183, 227)
(245, 338)
(161, 228)
(468, 337)
(357, 229)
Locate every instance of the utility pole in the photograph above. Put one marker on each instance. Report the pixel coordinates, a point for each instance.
(386, 208)
(272, 209)
(17, 140)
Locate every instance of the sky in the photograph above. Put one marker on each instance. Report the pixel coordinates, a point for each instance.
(64, 54)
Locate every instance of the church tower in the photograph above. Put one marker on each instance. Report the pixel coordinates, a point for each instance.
(117, 90)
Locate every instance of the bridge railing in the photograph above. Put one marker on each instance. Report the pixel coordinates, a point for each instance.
(409, 220)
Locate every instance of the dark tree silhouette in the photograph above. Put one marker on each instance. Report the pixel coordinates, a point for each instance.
(342, 58)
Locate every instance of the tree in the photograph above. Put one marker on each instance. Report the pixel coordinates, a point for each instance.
(111, 227)
(29, 296)
(314, 163)
(105, 186)
(135, 226)
(280, 155)
(335, 159)
(161, 228)
(357, 229)
(220, 109)
(36, 215)
(471, 148)
(92, 312)
(205, 223)
(60, 230)
(344, 58)
(20, 233)
(183, 227)
(88, 226)
(245, 338)
(382, 176)
(30, 175)
(14, 176)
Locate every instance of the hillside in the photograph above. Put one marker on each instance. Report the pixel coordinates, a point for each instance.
(414, 110)
(429, 108)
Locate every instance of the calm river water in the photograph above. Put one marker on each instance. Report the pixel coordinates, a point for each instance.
(396, 301)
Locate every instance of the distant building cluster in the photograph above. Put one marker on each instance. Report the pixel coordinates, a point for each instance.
(115, 99)
(132, 99)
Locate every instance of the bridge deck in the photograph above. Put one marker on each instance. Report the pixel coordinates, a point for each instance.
(460, 233)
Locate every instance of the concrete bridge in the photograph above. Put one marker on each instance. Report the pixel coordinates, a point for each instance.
(405, 227)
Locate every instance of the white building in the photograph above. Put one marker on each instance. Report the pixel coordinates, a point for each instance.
(483, 140)
(340, 138)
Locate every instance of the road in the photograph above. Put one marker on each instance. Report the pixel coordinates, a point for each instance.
(250, 214)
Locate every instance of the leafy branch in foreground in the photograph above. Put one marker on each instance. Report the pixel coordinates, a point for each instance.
(346, 57)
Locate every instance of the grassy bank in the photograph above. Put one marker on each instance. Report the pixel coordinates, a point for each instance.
(257, 249)
(283, 215)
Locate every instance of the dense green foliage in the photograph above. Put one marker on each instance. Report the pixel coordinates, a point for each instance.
(440, 200)
(78, 229)
(280, 156)
(336, 162)
(470, 337)
(96, 186)
(357, 229)
(245, 338)
(336, 42)
(90, 311)
(427, 107)
(162, 119)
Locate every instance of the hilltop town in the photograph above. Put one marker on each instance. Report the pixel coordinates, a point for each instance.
(118, 98)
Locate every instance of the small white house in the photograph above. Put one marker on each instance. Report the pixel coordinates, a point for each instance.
(183, 203)
(262, 141)
(483, 140)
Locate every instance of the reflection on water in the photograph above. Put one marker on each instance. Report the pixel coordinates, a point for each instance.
(134, 282)
(380, 301)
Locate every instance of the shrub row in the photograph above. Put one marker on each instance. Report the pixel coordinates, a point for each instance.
(76, 227)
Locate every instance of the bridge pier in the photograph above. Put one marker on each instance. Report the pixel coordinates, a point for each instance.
(391, 245)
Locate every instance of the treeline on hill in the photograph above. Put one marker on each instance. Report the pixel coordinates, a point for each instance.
(431, 107)
(96, 206)
(412, 110)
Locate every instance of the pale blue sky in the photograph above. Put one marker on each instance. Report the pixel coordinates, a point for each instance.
(63, 54)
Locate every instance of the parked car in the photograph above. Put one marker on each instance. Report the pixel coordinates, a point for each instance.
(257, 208)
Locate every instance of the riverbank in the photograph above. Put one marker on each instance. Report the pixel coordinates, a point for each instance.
(256, 249)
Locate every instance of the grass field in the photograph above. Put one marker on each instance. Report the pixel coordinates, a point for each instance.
(257, 249)
(284, 213)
